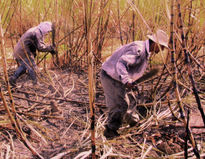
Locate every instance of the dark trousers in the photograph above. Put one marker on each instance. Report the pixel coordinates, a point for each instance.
(115, 100)
(26, 64)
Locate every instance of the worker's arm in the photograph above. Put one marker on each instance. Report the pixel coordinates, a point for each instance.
(41, 46)
(131, 57)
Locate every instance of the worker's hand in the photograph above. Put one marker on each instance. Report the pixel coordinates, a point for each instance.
(53, 50)
(129, 85)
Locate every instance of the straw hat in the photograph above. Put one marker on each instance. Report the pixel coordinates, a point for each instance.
(159, 37)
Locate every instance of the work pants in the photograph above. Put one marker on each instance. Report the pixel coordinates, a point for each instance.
(26, 64)
(114, 92)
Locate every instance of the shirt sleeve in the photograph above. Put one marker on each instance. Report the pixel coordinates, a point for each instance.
(41, 46)
(130, 58)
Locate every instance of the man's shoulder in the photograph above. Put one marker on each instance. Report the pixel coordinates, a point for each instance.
(29, 33)
(31, 30)
(135, 46)
(139, 44)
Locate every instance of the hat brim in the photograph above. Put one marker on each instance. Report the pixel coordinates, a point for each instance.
(158, 42)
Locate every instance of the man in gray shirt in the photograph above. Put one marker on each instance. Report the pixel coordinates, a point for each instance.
(121, 70)
(25, 50)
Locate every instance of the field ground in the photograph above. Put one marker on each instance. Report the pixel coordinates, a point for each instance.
(55, 117)
(55, 114)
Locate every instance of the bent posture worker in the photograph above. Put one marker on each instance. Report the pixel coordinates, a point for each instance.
(121, 70)
(25, 50)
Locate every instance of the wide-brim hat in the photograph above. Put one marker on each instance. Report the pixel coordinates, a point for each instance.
(159, 37)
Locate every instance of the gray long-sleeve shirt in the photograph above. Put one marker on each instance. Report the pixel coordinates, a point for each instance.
(129, 62)
(31, 40)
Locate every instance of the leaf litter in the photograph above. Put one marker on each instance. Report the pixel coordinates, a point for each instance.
(54, 116)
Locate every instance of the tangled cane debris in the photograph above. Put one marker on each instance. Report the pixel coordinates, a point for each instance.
(59, 126)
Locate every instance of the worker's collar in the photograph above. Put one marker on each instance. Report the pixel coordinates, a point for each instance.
(147, 47)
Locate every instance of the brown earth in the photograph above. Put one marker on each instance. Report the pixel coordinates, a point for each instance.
(55, 117)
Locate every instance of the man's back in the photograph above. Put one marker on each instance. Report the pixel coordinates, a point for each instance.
(26, 44)
(130, 60)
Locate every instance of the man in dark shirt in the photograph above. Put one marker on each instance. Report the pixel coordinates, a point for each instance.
(25, 50)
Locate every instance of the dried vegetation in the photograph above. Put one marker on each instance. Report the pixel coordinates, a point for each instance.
(63, 116)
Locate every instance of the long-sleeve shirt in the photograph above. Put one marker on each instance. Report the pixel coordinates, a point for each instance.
(31, 40)
(129, 62)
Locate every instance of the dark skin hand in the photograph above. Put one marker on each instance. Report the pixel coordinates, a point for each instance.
(129, 85)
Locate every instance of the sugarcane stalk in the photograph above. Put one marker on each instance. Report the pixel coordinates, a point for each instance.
(10, 19)
(91, 73)
(68, 34)
(54, 44)
(12, 115)
(101, 30)
(7, 15)
(17, 128)
(48, 97)
(170, 108)
(137, 10)
(11, 118)
(172, 50)
(133, 23)
(187, 136)
(189, 20)
(91, 100)
(175, 78)
(3, 8)
(42, 58)
(3, 52)
(119, 23)
(187, 62)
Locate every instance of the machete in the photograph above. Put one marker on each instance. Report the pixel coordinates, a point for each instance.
(147, 76)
